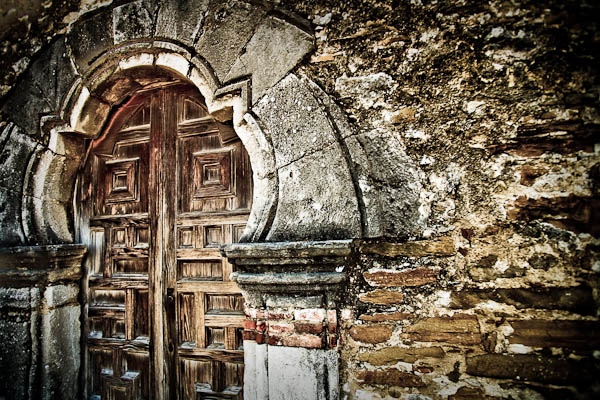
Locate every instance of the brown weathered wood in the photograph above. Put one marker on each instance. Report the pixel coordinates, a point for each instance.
(163, 187)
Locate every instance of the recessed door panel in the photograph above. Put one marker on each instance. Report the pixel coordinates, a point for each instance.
(163, 187)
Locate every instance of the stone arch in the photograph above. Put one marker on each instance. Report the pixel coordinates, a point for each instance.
(311, 175)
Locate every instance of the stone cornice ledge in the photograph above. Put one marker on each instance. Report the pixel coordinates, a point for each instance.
(26, 265)
(282, 250)
(289, 267)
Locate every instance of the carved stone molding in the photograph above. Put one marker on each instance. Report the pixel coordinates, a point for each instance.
(268, 270)
(40, 265)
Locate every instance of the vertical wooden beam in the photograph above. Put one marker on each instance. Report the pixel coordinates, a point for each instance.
(168, 199)
(155, 259)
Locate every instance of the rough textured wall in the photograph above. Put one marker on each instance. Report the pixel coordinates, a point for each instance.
(489, 112)
(480, 122)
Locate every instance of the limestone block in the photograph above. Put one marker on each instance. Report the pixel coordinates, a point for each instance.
(90, 37)
(398, 184)
(60, 352)
(10, 223)
(15, 355)
(181, 20)
(297, 124)
(15, 150)
(227, 28)
(276, 44)
(299, 373)
(359, 163)
(316, 200)
(131, 21)
(42, 88)
(56, 296)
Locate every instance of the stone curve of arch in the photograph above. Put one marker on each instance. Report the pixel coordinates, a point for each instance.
(46, 207)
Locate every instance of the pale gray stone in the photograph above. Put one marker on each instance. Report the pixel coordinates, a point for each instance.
(11, 232)
(14, 156)
(181, 20)
(56, 296)
(281, 301)
(273, 51)
(131, 21)
(15, 355)
(297, 124)
(60, 352)
(15, 298)
(228, 27)
(316, 200)
(89, 37)
(297, 373)
(42, 88)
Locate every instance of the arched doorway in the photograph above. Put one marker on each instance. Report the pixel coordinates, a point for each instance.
(162, 187)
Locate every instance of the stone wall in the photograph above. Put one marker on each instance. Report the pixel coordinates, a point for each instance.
(466, 148)
(39, 322)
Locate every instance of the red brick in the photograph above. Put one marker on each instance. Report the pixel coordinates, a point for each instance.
(279, 315)
(304, 340)
(248, 335)
(556, 333)
(424, 369)
(308, 327)
(261, 326)
(332, 328)
(280, 327)
(249, 324)
(471, 393)
(310, 314)
(382, 296)
(371, 333)
(332, 342)
(331, 316)
(458, 329)
(410, 277)
(390, 376)
(260, 338)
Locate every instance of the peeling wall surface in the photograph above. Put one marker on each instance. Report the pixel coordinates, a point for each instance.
(447, 151)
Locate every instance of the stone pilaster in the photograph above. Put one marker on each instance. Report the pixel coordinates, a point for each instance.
(291, 293)
(40, 321)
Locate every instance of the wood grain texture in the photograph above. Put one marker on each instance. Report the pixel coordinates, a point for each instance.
(163, 187)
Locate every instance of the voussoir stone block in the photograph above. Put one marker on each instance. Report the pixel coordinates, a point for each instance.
(227, 29)
(297, 124)
(90, 37)
(131, 21)
(316, 200)
(271, 53)
(181, 20)
(15, 150)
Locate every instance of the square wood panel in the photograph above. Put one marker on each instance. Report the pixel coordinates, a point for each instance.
(212, 175)
(121, 180)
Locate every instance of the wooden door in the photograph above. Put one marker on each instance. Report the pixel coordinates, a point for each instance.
(162, 188)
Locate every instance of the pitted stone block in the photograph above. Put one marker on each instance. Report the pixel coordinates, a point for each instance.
(316, 199)
(90, 37)
(131, 21)
(42, 88)
(60, 295)
(226, 31)
(14, 156)
(296, 122)
(271, 53)
(10, 210)
(181, 20)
